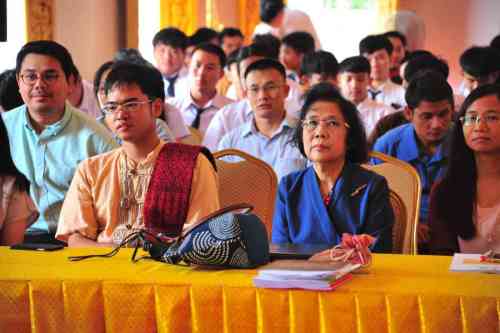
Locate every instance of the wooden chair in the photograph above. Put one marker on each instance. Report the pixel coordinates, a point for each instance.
(248, 180)
(405, 191)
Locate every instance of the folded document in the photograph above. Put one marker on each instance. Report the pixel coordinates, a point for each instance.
(302, 274)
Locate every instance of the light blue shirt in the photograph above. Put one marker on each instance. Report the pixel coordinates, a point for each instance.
(279, 151)
(402, 143)
(49, 159)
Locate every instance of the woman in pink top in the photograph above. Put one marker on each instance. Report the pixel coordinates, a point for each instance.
(465, 205)
(17, 210)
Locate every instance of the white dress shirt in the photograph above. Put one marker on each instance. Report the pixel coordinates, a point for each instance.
(390, 94)
(181, 85)
(371, 111)
(188, 107)
(89, 104)
(294, 20)
(227, 118)
(175, 122)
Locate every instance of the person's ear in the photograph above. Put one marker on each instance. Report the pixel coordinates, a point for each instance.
(408, 113)
(286, 88)
(157, 107)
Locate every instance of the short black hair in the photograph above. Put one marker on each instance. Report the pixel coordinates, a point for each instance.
(172, 37)
(75, 73)
(203, 35)
(98, 75)
(269, 9)
(212, 49)
(230, 32)
(48, 48)
(10, 97)
(264, 64)
(396, 34)
(130, 55)
(373, 43)
(357, 64)
(301, 41)
(148, 79)
(413, 54)
(429, 86)
(480, 61)
(495, 42)
(252, 50)
(319, 62)
(357, 148)
(425, 63)
(270, 42)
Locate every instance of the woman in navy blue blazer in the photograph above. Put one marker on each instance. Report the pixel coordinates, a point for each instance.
(335, 195)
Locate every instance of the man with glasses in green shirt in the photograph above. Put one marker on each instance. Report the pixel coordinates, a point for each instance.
(48, 136)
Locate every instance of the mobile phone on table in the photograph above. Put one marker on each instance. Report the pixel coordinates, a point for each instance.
(37, 247)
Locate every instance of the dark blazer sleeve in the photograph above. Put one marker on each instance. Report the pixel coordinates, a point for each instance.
(380, 217)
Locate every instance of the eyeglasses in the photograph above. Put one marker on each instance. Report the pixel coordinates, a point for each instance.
(270, 89)
(332, 124)
(31, 78)
(489, 119)
(133, 106)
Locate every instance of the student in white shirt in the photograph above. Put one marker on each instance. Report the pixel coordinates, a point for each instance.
(378, 49)
(202, 102)
(81, 94)
(354, 77)
(293, 48)
(169, 51)
(235, 114)
(280, 21)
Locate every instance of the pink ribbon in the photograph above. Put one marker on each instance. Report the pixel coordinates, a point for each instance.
(353, 249)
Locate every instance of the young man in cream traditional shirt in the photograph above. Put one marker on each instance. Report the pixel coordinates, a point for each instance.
(106, 197)
(354, 77)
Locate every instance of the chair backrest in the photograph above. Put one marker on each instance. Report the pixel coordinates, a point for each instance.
(405, 191)
(247, 179)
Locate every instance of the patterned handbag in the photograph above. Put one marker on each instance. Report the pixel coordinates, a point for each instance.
(227, 238)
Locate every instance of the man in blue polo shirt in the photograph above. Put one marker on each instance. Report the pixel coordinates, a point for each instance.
(423, 142)
(49, 137)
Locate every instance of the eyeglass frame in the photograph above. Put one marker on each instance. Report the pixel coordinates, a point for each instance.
(465, 123)
(305, 126)
(120, 105)
(51, 74)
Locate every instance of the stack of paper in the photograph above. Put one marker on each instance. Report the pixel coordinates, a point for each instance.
(302, 274)
(472, 263)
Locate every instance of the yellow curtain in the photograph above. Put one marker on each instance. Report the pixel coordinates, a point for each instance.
(248, 14)
(182, 14)
(39, 19)
(132, 23)
(386, 9)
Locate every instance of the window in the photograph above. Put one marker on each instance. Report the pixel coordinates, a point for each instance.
(149, 25)
(343, 23)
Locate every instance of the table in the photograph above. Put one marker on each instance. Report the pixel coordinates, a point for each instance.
(44, 292)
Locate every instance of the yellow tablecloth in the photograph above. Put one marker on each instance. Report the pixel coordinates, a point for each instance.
(44, 292)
